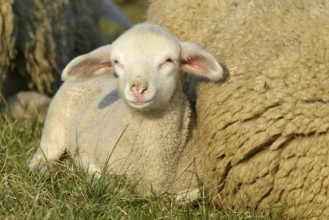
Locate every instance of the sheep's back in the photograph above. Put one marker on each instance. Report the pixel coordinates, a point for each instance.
(265, 130)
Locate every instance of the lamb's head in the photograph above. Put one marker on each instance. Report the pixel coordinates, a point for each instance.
(147, 61)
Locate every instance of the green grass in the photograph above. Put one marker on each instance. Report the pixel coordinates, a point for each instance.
(68, 193)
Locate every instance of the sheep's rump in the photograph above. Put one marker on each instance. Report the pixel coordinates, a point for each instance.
(263, 132)
(38, 38)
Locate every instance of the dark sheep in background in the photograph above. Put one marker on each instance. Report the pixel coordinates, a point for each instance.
(38, 38)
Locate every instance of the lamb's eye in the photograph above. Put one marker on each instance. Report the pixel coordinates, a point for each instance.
(116, 62)
(169, 60)
(167, 63)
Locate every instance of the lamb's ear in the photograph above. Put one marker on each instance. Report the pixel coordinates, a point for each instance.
(195, 59)
(97, 62)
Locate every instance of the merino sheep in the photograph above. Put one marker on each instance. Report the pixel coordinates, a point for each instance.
(263, 134)
(146, 133)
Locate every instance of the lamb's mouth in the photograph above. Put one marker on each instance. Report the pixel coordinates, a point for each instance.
(140, 104)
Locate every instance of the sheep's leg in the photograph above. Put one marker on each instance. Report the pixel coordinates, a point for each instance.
(87, 162)
(54, 138)
(52, 147)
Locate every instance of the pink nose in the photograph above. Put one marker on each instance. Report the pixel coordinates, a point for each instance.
(138, 90)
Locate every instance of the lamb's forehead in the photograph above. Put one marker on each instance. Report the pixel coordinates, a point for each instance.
(146, 38)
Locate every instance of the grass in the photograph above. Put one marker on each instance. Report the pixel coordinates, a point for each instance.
(69, 194)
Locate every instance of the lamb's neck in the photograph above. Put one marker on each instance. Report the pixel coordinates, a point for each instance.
(159, 137)
(170, 124)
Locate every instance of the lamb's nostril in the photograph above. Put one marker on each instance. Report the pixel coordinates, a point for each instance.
(138, 90)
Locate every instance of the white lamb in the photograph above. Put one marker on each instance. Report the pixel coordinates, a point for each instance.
(145, 134)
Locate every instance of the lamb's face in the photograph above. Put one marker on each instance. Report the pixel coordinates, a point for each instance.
(146, 63)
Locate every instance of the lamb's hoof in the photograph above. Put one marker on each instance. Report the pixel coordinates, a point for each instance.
(188, 196)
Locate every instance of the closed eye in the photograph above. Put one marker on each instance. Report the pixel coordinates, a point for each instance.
(169, 60)
(117, 64)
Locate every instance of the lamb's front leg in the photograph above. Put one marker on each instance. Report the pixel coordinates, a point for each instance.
(54, 138)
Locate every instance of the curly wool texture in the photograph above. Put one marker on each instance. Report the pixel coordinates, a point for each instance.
(7, 52)
(38, 38)
(264, 132)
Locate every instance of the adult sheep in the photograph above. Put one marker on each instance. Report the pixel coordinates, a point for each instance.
(264, 132)
(145, 134)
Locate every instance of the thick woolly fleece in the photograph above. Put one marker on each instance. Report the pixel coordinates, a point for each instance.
(264, 132)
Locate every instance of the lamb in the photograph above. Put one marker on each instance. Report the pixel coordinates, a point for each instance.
(145, 134)
(264, 132)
